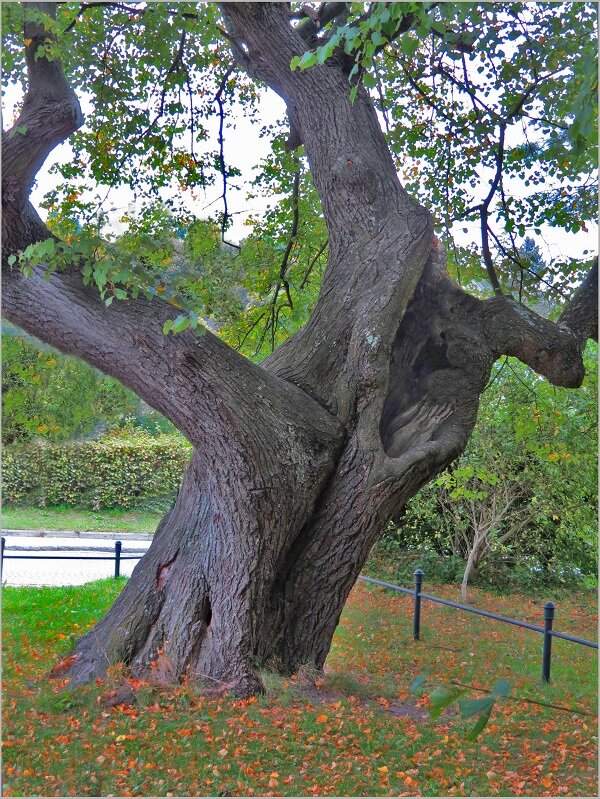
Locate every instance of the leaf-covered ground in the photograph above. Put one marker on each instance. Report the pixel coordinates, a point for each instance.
(356, 731)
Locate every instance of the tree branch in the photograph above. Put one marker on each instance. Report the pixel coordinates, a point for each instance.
(222, 167)
(315, 22)
(51, 112)
(203, 386)
(553, 350)
(484, 214)
(581, 315)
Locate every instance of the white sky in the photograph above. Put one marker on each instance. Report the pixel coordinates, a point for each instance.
(244, 148)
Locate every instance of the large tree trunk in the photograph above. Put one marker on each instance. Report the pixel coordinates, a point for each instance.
(300, 462)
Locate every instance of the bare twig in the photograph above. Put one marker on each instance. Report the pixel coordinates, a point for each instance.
(222, 168)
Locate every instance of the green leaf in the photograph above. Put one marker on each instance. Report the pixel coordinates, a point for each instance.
(469, 707)
(417, 684)
(180, 323)
(21, 129)
(480, 724)
(12, 259)
(46, 247)
(369, 80)
(501, 688)
(442, 698)
(307, 60)
(378, 39)
(409, 45)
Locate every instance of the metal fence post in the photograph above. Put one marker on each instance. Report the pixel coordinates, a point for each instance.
(2, 557)
(549, 608)
(418, 575)
(118, 546)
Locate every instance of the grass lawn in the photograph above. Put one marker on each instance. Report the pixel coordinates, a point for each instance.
(357, 731)
(113, 520)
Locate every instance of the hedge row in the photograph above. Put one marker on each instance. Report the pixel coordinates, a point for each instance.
(109, 473)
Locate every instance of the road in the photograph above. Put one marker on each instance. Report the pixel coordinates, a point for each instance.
(71, 571)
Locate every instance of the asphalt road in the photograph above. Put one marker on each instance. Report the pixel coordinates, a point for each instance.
(68, 571)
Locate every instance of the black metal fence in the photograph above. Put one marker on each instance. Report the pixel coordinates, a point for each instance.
(117, 556)
(546, 630)
(416, 592)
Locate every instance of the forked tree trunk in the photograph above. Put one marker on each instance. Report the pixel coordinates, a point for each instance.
(300, 462)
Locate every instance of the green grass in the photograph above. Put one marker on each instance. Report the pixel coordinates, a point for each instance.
(113, 520)
(311, 735)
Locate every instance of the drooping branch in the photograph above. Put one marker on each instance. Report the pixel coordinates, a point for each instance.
(83, 7)
(484, 214)
(222, 166)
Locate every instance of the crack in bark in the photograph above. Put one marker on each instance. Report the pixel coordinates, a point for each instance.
(163, 572)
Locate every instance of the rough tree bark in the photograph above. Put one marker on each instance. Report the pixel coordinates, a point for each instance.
(299, 462)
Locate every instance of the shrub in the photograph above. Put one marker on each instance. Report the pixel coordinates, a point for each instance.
(115, 472)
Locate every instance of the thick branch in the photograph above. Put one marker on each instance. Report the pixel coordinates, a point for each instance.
(315, 22)
(194, 379)
(51, 112)
(379, 238)
(552, 350)
(441, 361)
(581, 315)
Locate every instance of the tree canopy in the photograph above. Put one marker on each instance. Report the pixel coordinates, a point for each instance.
(481, 104)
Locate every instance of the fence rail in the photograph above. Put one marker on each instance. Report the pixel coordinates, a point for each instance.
(416, 592)
(546, 630)
(117, 557)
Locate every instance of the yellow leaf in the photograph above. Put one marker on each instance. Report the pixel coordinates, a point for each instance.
(27, 42)
(274, 774)
(382, 769)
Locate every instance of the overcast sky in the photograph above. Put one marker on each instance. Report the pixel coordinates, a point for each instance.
(244, 148)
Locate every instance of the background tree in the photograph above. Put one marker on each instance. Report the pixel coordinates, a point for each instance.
(49, 396)
(301, 460)
(538, 445)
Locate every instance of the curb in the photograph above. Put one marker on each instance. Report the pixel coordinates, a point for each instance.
(76, 534)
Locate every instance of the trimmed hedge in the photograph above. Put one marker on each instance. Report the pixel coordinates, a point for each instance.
(114, 472)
